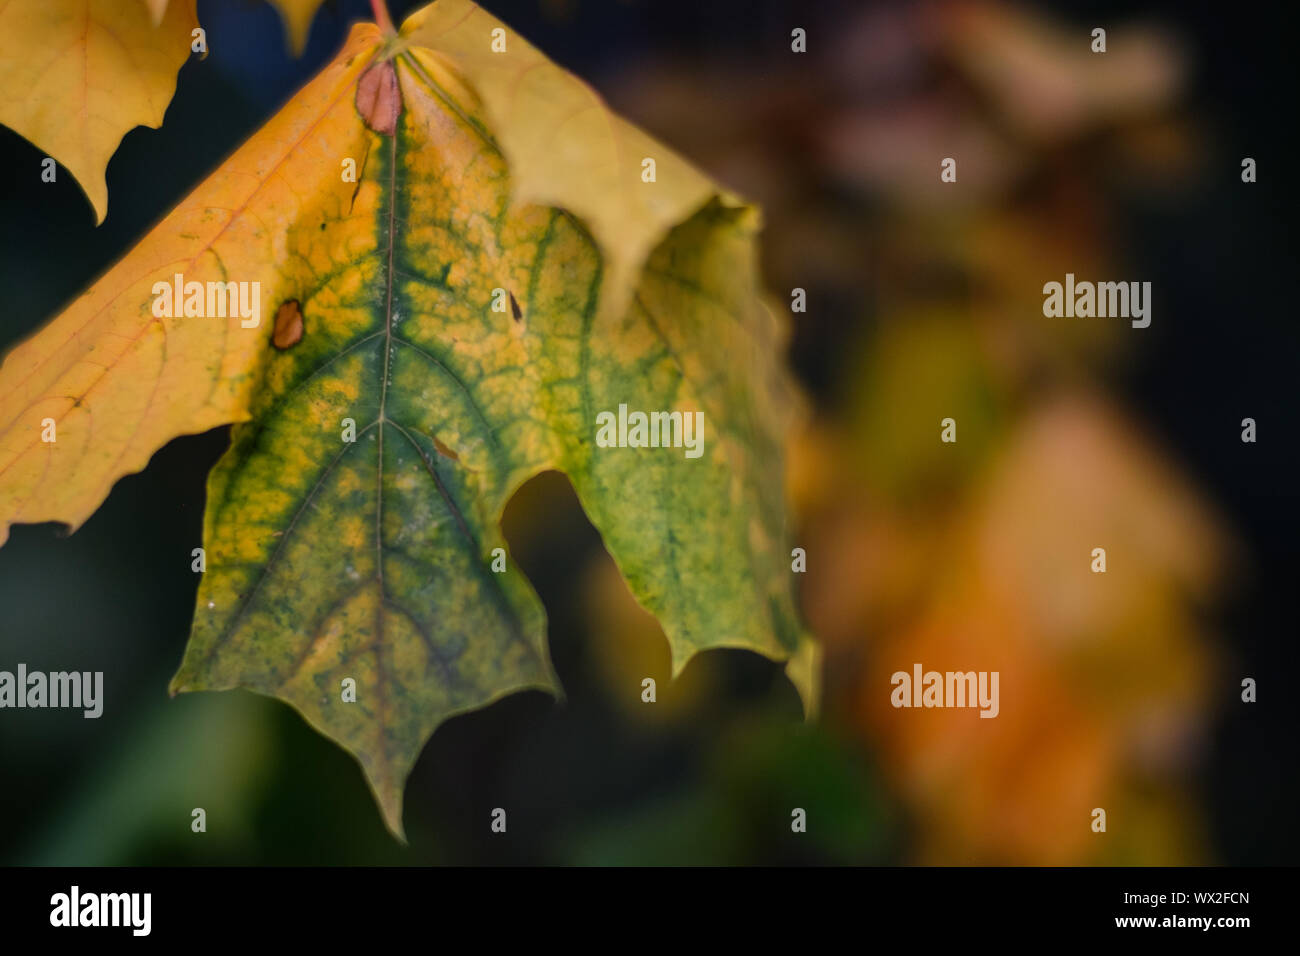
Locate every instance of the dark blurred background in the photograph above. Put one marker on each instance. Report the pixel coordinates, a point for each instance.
(923, 301)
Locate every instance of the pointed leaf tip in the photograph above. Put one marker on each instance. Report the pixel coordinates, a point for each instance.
(76, 76)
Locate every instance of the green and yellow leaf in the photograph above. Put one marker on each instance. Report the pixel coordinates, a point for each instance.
(565, 147)
(372, 560)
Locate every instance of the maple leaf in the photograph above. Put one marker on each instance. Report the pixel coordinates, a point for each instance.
(448, 323)
(77, 75)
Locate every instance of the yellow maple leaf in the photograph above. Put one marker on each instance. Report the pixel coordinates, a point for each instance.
(77, 75)
(84, 371)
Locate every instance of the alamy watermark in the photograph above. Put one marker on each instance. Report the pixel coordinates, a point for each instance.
(653, 430)
(948, 689)
(75, 908)
(1124, 300)
(74, 689)
(212, 299)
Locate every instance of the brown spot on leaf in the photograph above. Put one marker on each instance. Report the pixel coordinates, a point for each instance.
(288, 325)
(514, 308)
(379, 98)
(444, 450)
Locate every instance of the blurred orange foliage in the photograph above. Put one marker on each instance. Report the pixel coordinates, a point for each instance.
(976, 555)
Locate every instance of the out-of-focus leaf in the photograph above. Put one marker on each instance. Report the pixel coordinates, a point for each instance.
(297, 16)
(1045, 78)
(1103, 677)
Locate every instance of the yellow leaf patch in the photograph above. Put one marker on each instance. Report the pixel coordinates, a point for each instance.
(77, 75)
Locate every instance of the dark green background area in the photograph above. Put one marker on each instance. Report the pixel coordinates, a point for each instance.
(582, 780)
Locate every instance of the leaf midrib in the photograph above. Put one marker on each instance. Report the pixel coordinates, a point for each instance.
(390, 340)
